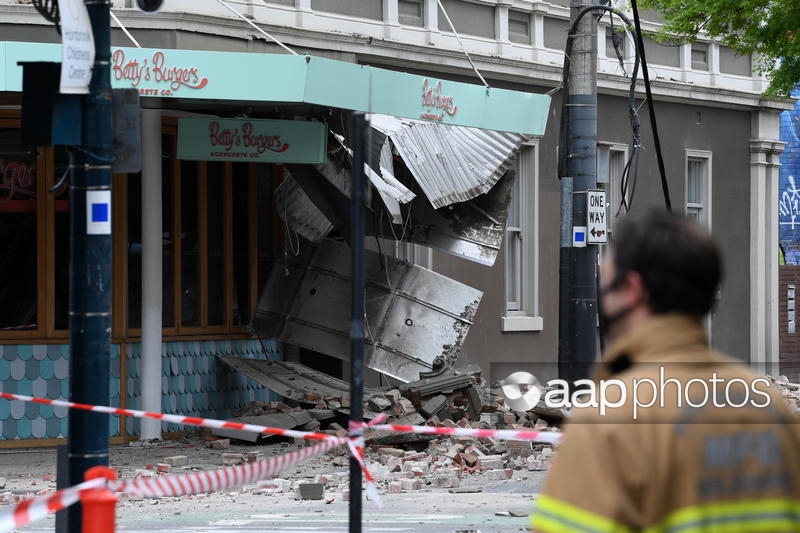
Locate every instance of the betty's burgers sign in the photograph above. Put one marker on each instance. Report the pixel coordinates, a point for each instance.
(251, 140)
(155, 74)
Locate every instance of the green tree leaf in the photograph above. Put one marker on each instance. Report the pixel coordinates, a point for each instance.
(767, 29)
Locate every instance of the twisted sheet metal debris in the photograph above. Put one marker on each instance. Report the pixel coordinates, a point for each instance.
(472, 230)
(299, 212)
(450, 163)
(417, 320)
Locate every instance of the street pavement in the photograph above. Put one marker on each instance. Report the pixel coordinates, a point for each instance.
(478, 505)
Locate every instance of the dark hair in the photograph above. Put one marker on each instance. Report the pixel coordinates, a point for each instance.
(678, 260)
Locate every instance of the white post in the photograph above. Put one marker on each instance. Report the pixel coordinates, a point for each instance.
(152, 250)
(431, 20)
(764, 151)
(758, 251)
(501, 28)
(391, 19)
(773, 224)
(304, 12)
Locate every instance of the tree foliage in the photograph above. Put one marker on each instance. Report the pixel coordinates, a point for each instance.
(768, 29)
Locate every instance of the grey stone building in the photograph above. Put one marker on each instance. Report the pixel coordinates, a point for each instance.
(221, 229)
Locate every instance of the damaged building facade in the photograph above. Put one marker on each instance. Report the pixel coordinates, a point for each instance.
(227, 254)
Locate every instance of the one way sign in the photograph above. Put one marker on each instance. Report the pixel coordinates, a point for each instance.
(596, 217)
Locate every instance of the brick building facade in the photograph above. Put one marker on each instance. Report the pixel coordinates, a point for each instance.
(789, 334)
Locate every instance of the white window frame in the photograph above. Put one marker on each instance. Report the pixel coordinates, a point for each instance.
(704, 207)
(523, 315)
(705, 50)
(609, 179)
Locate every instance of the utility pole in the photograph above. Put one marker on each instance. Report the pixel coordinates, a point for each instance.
(577, 346)
(357, 311)
(90, 267)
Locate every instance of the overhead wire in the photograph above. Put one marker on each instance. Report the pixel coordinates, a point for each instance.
(564, 131)
(630, 171)
(626, 198)
(651, 107)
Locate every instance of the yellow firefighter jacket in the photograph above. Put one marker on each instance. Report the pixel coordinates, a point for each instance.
(671, 457)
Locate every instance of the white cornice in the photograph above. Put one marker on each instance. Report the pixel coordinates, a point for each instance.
(444, 57)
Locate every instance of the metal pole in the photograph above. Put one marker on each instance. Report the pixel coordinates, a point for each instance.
(578, 341)
(564, 279)
(90, 267)
(152, 266)
(357, 310)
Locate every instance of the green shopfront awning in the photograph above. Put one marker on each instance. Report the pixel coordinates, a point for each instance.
(255, 77)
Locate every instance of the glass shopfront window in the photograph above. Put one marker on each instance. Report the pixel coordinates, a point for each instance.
(61, 233)
(218, 241)
(19, 309)
(217, 227)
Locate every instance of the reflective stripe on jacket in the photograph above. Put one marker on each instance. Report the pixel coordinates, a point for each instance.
(697, 443)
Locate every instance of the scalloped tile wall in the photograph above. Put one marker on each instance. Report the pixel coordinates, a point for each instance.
(193, 383)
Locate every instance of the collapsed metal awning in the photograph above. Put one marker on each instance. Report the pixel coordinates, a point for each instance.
(299, 212)
(416, 319)
(451, 163)
(472, 229)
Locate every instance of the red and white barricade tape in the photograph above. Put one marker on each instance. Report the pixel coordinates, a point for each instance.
(356, 446)
(550, 437)
(175, 419)
(223, 479)
(232, 477)
(206, 482)
(38, 507)
(502, 434)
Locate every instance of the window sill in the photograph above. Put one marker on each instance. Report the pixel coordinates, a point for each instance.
(521, 323)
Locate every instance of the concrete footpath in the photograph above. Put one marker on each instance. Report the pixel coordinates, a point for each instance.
(443, 484)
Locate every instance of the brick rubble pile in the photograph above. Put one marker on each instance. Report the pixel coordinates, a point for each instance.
(790, 391)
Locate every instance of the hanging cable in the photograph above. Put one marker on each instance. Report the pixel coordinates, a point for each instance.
(616, 41)
(563, 155)
(626, 199)
(288, 240)
(627, 30)
(61, 181)
(461, 44)
(630, 172)
(653, 123)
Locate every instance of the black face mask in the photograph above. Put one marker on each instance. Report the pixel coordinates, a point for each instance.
(606, 321)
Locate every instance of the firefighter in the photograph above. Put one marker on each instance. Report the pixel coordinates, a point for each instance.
(671, 436)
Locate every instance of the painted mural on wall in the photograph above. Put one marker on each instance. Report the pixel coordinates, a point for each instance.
(790, 183)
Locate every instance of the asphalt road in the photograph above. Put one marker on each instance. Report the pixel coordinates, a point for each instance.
(500, 506)
(483, 505)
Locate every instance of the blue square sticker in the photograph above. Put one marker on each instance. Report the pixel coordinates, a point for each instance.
(580, 236)
(99, 212)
